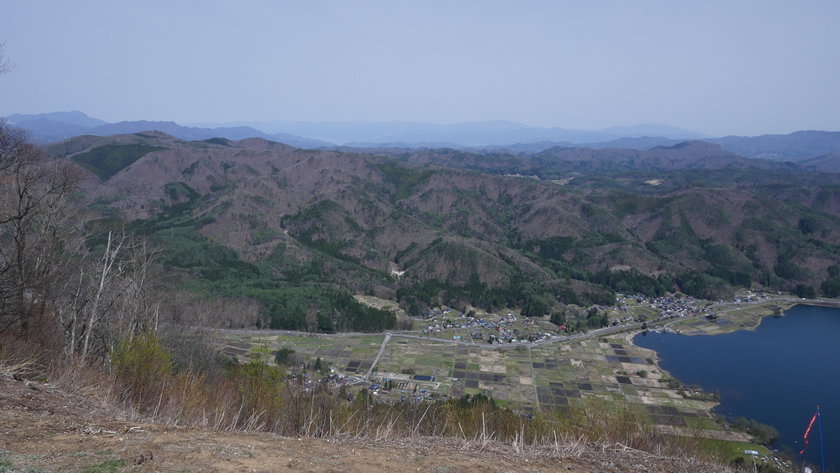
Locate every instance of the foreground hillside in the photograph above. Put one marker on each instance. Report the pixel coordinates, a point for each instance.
(46, 428)
(282, 225)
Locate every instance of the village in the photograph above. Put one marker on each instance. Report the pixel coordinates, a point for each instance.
(526, 364)
(505, 329)
(447, 325)
(444, 322)
(508, 330)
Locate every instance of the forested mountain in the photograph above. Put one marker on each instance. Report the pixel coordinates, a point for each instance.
(828, 162)
(301, 230)
(796, 146)
(561, 162)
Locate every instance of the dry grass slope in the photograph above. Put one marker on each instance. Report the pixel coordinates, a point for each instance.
(76, 417)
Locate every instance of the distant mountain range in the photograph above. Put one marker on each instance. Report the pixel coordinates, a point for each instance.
(793, 147)
(560, 163)
(494, 137)
(52, 127)
(462, 134)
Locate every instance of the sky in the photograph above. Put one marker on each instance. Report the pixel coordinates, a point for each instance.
(715, 67)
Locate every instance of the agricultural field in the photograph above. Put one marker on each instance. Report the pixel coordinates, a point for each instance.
(448, 356)
(351, 353)
(521, 377)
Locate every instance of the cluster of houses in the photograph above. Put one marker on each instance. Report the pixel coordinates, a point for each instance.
(470, 322)
(507, 334)
(670, 307)
(501, 331)
(435, 311)
(667, 306)
(761, 297)
(445, 323)
(511, 338)
(402, 389)
(329, 382)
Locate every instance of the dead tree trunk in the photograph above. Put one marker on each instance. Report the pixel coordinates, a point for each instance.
(106, 275)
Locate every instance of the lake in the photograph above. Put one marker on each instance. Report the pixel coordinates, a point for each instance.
(777, 374)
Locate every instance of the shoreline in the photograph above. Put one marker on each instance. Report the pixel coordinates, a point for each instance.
(780, 310)
(786, 305)
(779, 307)
(783, 307)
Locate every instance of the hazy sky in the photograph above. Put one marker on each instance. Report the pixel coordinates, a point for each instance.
(728, 67)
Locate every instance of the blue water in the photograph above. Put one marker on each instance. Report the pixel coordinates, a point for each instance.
(777, 374)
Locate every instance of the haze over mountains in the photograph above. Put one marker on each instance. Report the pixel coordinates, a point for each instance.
(493, 137)
(51, 127)
(460, 134)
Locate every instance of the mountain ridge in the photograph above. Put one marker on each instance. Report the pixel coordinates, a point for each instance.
(463, 134)
(487, 133)
(45, 130)
(484, 137)
(365, 214)
(74, 117)
(794, 146)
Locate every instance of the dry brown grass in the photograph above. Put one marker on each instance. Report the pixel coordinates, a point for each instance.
(258, 396)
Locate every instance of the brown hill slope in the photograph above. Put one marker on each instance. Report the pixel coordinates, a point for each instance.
(686, 155)
(436, 222)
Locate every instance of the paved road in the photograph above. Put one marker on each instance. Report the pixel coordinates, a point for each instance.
(409, 335)
(722, 308)
(430, 339)
(533, 380)
(381, 349)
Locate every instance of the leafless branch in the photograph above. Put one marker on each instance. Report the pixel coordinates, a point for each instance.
(4, 64)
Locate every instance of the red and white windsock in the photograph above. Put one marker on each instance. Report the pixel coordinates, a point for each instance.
(807, 431)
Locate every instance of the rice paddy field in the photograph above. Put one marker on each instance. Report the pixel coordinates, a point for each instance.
(553, 374)
(522, 378)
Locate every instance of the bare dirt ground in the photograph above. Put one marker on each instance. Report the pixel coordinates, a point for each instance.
(44, 428)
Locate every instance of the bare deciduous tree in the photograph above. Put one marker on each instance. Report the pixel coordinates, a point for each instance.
(46, 267)
(38, 227)
(111, 298)
(4, 63)
(105, 290)
(139, 309)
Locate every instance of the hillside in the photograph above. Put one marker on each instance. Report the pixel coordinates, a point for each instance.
(84, 437)
(562, 162)
(827, 163)
(689, 217)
